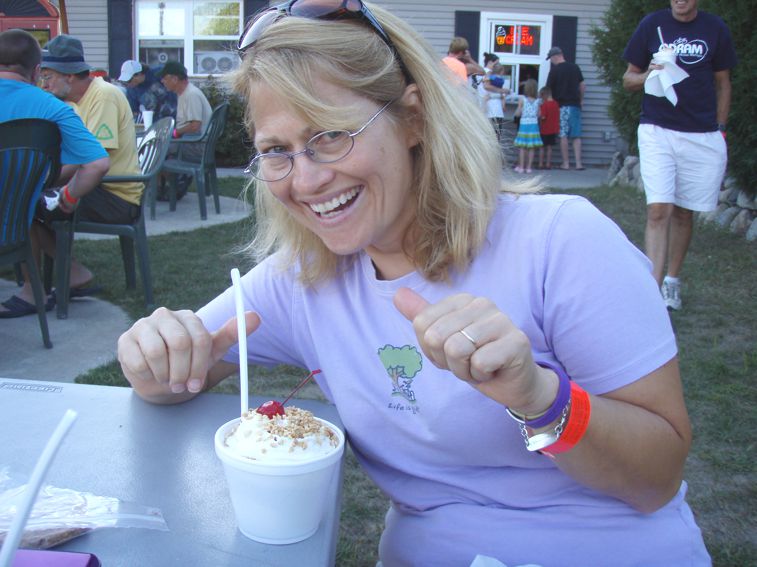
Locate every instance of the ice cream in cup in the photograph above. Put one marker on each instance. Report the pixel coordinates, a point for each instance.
(665, 54)
(279, 468)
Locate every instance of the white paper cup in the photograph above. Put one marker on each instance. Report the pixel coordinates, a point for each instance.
(278, 503)
(147, 118)
(662, 57)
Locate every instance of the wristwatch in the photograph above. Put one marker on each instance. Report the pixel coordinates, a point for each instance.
(721, 127)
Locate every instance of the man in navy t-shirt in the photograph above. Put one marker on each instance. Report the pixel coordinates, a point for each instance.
(682, 145)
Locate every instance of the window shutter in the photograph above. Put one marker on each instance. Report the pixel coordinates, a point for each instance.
(120, 39)
(564, 34)
(467, 25)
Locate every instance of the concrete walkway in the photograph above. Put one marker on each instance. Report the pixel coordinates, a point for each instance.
(88, 337)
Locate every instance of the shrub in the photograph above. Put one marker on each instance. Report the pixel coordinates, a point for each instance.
(610, 39)
(234, 147)
(742, 136)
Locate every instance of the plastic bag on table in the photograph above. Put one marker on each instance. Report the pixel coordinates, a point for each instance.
(61, 514)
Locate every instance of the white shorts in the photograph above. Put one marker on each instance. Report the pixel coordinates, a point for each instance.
(683, 168)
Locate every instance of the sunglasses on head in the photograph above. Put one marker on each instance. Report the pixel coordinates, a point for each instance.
(315, 10)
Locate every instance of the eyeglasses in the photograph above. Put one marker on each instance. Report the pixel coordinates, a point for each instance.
(316, 10)
(325, 147)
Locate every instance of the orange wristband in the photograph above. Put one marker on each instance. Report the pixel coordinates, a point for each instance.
(70, 199)
(578, 422)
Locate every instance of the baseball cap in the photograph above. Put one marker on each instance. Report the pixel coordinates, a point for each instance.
(129, 69)
(554, 51)
(64, 54)
(173, 68)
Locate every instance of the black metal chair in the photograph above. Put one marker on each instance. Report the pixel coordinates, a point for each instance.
(29, 163)
(152, 153)
(204, 171)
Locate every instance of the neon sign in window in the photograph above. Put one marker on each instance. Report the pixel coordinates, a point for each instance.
(517, 39)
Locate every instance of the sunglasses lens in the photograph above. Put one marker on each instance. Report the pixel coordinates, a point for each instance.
(315, 9)
(257, 27)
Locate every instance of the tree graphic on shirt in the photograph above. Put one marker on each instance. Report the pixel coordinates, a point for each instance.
(402, 364)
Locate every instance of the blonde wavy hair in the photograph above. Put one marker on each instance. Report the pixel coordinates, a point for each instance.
(457, 164)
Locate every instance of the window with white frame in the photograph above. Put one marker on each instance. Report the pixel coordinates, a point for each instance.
(201, 34)
(521, 41)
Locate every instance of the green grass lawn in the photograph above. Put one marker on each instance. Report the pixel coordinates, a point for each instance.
(716, 338)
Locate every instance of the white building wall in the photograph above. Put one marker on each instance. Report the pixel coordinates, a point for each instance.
(88, 21)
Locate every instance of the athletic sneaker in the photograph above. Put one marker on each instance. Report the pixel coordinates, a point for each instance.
(671, 294)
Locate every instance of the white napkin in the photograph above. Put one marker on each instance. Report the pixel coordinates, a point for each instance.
(486, 561)
(660, 81)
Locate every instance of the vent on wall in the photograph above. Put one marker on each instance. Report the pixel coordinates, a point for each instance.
(215, 62)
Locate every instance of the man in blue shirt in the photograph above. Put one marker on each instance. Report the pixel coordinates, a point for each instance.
(681, 146)
(143, 88)
(84, 160)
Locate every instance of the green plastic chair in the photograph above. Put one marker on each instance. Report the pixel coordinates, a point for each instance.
(29, 164)
(204, 172)
(152, 153)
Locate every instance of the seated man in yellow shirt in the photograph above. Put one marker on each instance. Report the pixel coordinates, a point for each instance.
(105, 111)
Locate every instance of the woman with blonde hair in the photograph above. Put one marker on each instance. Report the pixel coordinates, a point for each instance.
(504, 406)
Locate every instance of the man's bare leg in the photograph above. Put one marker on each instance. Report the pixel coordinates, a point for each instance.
(681, 227)
(25, 291)
(577, 153)
(564, 153)
(656, 236)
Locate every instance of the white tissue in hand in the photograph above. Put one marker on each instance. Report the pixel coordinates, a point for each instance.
(486, 561)
(51, 199)
(660, 81)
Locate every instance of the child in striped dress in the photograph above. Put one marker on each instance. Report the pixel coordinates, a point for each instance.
(528, 136)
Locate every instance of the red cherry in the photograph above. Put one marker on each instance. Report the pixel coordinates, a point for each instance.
(271, 408)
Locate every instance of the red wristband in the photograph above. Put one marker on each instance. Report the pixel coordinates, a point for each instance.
(70, 199)
(175, 133)
(578, 422)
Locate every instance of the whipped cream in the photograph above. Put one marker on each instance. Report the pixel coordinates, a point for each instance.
(295, 437)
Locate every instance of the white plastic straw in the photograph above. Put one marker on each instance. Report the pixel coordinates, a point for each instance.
(659, 34)
(242, 332)
(16, 529)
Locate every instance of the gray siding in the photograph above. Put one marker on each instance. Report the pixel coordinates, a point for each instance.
(435, 20)
(88, 20)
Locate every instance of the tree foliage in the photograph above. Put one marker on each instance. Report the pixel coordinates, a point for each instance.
(610, 39)
(742, 136)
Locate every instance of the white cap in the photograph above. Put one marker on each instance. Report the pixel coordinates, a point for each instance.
(129, 69)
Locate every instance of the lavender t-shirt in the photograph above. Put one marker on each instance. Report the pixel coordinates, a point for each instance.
(453, 463)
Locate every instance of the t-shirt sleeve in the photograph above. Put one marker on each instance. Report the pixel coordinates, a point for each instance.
(102, 121)
(78, 145)
(603, 314)
(268, 291)
(725, 54)
(194, 108)
(636, 51)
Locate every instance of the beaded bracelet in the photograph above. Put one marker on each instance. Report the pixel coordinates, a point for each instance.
(557, 407)
(576, 425)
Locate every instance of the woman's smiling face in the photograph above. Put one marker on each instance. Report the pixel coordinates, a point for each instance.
(361, 202)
